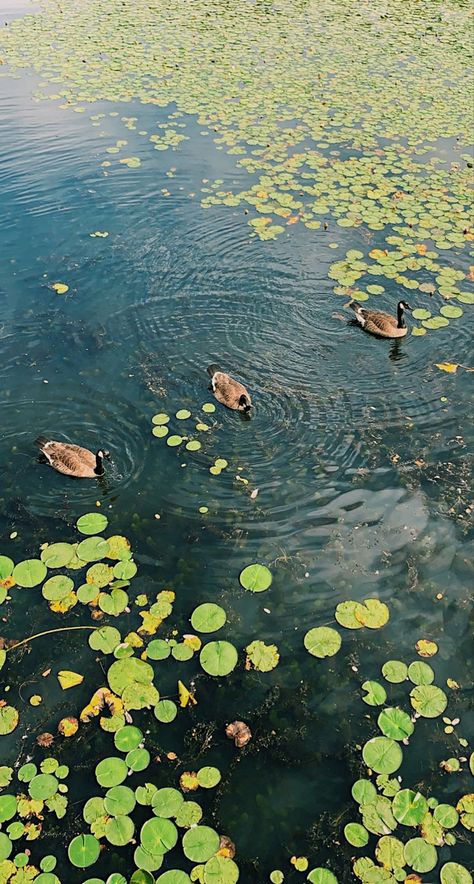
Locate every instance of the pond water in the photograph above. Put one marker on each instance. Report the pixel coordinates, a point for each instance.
(358, 449)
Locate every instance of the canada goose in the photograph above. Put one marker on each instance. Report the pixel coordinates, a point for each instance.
(72, 460)
(228, 391)
(381, 324)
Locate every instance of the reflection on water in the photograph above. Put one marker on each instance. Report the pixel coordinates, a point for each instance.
(358, 449)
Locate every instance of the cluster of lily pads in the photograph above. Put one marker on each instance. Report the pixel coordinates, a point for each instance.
(352, 145)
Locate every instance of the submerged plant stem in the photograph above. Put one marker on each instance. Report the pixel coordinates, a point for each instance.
(48, 632)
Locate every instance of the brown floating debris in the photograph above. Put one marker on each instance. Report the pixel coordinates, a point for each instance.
(239, 732)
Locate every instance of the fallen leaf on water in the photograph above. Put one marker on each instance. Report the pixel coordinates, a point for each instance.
(185, 696)
(449, 367)
(68, 726)
(239, 732)
(226, 847)
(60, 287)
(36, 700)
(188, 781)
(68, 679)
(45, 740)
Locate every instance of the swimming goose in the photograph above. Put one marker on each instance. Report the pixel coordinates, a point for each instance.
(72, 460)
(381, 324)
(228, 391)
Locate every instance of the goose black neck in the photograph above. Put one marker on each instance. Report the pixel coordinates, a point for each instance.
(99, 465)
(400, 317)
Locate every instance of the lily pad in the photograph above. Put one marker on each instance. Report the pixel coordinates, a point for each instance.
(208, 777)
(395, 723)
(166, 802)
(104, 639)
(200, 843)
(220, 870)
(111, 771)
(158, 835)
(322, 641)
(356, 835)
(92, 523)
(57, 555)
(165, 711)
(454, 873)
(29, 573)
(127, 738)
(420, 673)
(395, 671)
(428, 700)
(376, 693)
(262, 657)
(256, 578)
(9, 718)
(409, 807)
(208, 617)
(83, 851)
(382, 755)
(420, 856)
(218, 658)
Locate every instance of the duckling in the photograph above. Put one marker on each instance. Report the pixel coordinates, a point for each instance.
(72, 460)
(228, 391)
(381, 324)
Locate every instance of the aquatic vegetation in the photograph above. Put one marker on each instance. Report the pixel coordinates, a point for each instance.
(331, 132)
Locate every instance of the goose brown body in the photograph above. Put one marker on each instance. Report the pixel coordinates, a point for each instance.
(228, 391)
(381, 324)
(72, 460)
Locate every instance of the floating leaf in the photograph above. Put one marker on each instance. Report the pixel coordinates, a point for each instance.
(422, 857)
(57, 555)
(345, 614)
(60, 288)
(376, 693)
(426, 648)
(449, 367)
(322, 641)
(83, 851)
(446, 815)
(428, 700)
(382, 755)
(364, 792)
(453, 873)
(218, 658)
(9, 718)
(256, 578)
(166, 802)
(208, 617)
(183, 414)
(29, 573)
(409, 807)
(389, 852)
(157, 835)
(68, 679)
(104, 639)
(200, 843)
(356, 835)
(395, 671)
(160, 419)
(321, 876)
(208, 777)
(420, 673)
(465, 808)
(92, 523)
(395, 723)
(262, 657)
(111, 771)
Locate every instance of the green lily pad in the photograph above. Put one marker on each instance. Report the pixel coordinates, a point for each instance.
(174, 441)
(138, 759)
(454, 873)
(428, 700)
(113, 603)
(183, 414)
(218, 658)
(119, 830)
(446, 815)
(83, 851)
(158, 649)
(182, 652)
(322, 641)
(208, 777)
(382, 755)
(193, 445)
(189, 814)
(57, 588)
(395, 723)
(420, 856)
(208, 407)
(160, 419)
(420, 673)
(262, 657)
(111, 771)
(147, 861)
(57, 555)
(221, 870)
(6, 567)
(345, 614)
(256, 578)
(421, 313)
(128, 738)
(29, 573)
(174, 876)
(208, 617)
(43, 786)
(6, 846)
(158, 835)
(104, 639)
(200, 843)
(395, 671)
(7, 807)
(390, 853)
(166, 802)
(9, 718)
(320, 875)
(165, 711)
(376, 693)
(92, 523)
(160, 432)
(451, 311)
(93, 549)
(364, 792)
(356, 835)
(129, 672)
(125, 570)
(409, 807)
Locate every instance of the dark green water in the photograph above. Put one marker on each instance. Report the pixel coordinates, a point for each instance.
(359, 449)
